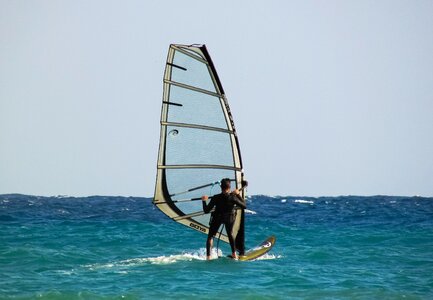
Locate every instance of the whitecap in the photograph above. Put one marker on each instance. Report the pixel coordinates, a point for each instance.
(268, 256)
(303, 201)
(251, 212)
(283, 200)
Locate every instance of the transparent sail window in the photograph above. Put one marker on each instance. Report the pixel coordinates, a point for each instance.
(196, 74)
(197, 146)
(197, 108)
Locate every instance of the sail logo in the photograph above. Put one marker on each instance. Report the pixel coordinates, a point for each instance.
(195, 226)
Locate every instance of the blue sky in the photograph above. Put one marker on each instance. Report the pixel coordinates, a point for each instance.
(328, 97)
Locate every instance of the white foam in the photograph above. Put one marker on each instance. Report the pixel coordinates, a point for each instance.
(164, 260)
(268, 256)
(199, 255)
(251, 212)
(303, 201)
(283, 200)
(158, 260)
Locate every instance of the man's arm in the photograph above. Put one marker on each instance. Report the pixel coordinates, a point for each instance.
(207, 207)
(236, 198)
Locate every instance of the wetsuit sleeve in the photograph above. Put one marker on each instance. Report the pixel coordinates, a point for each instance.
(208, 207)
(238, 201)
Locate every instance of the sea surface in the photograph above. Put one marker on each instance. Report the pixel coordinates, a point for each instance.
(123, 248)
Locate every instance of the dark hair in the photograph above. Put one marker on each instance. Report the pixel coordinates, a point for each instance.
(225, 183)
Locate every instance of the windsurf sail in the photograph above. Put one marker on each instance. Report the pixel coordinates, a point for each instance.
(198, 141)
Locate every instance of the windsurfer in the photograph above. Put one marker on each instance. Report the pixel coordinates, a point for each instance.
(225, 205)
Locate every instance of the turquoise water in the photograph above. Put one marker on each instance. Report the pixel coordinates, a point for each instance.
(123, 248)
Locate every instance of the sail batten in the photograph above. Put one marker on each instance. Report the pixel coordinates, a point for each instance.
(194, 214)
(176, 66)
(198, 167)
(172, 103)
(191, 87)
(197, 126)
(198, 141)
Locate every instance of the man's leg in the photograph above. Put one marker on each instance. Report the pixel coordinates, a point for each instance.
(229, 229)
(213, 229)
(209, 244)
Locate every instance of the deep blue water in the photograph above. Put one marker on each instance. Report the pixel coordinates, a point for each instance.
(123, 248)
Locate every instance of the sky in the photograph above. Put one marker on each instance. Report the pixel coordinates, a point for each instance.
(329, 97)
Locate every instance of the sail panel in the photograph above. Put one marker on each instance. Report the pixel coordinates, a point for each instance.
(197, 146)
(195, 73)
(197, 108)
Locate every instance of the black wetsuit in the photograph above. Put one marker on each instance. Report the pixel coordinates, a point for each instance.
(224, 213)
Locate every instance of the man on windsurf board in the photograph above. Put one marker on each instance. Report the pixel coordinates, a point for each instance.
(225, 205)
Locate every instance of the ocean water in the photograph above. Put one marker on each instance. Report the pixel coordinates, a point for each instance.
(123, 248)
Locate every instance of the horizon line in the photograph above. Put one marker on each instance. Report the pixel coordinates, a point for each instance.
(248, 196)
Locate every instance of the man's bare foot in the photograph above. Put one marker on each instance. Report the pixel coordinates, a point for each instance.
(234, 256)
(207, 257)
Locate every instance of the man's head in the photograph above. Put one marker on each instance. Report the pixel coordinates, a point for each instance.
(225, 184)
